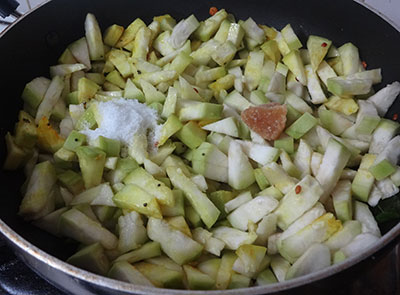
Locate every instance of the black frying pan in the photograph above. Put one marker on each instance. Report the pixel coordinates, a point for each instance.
(36, 41)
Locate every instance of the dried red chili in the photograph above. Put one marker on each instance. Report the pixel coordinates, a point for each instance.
(213, 10)
(298, 189)
(195, 90)
(395, 116)
(364, 64)
(324, 44)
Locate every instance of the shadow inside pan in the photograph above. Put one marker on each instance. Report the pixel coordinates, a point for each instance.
(36, 42)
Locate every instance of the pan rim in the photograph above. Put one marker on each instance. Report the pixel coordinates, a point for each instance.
(22, 244)
(17, 20)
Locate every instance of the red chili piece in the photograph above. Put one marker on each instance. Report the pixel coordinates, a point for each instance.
(395, 116)
(213, 10)
(364, 64)
(298, 189)
(324, 44)
(195, 90)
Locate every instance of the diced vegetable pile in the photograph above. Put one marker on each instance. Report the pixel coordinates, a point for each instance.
(267, 160)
